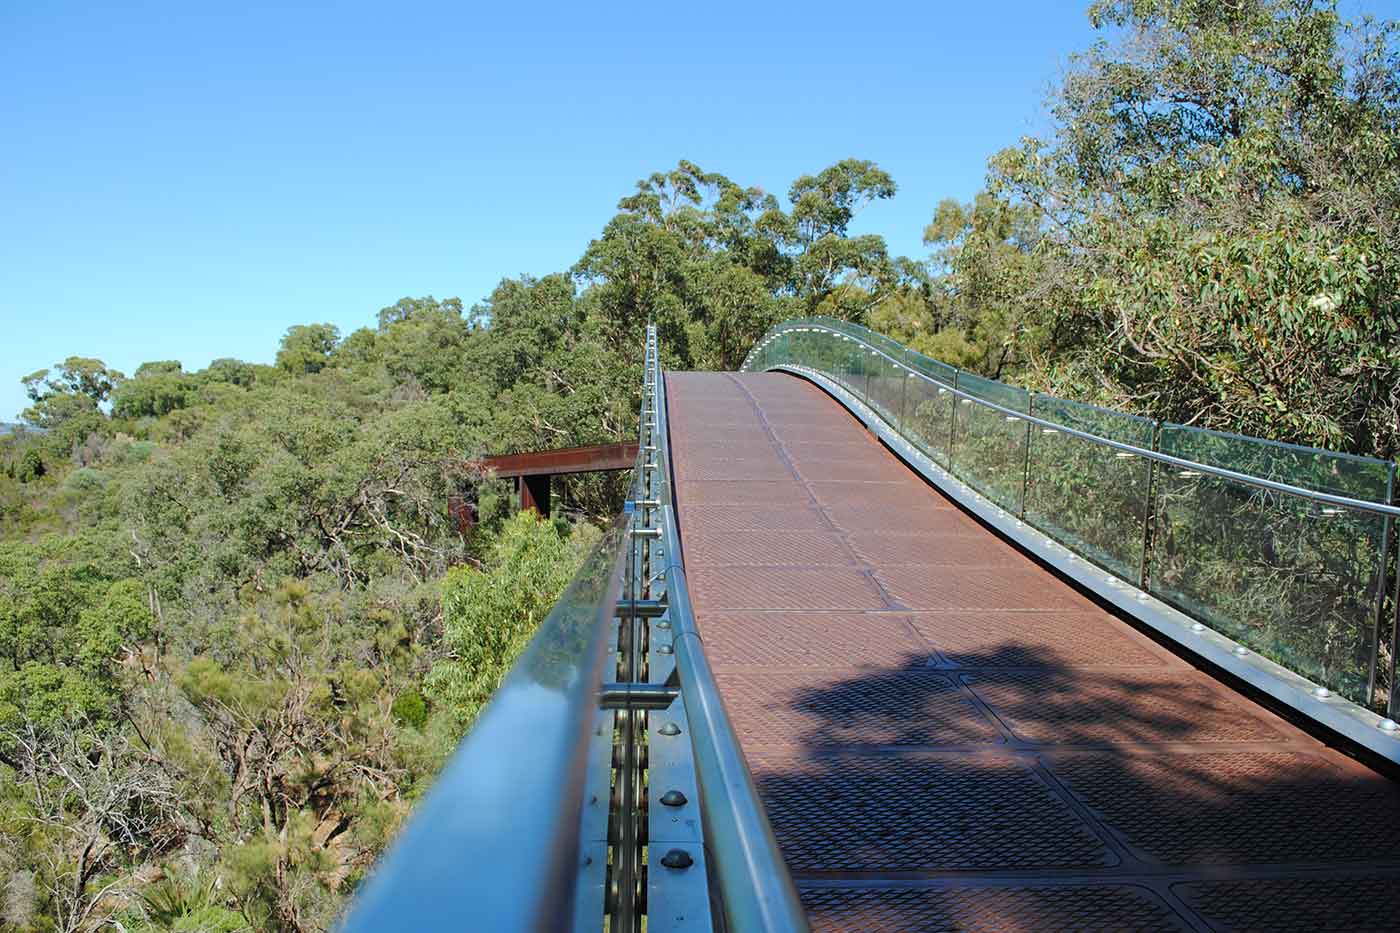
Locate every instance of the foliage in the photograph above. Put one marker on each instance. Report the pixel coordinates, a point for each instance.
(490, 612)
(231, 600)
(715, 264)
(1209, 233)
(186, 904)
(306, 348)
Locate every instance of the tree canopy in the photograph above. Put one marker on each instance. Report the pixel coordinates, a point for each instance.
(1209, 232)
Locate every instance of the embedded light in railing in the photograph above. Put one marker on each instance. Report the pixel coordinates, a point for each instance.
(1124, 455)
(1049, 430)
(1189, 474)
(1331, 511)
(967, 401)
(1012, 418)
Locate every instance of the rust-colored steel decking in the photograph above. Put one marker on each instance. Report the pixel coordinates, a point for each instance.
(949, 736)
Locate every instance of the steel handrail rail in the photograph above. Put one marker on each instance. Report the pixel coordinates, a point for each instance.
(1222, 472)
(756, 889)
(522, 809)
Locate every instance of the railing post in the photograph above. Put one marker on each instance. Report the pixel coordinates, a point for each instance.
(953, 423)
(904, 377)
(1026, 468)
(1390, 711)
(1381, 576)
(1149, 510)
(625, 883)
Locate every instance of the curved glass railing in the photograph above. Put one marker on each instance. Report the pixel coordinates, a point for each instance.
(560, 808)
(1285, 549)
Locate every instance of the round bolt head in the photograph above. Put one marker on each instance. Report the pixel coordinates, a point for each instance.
(1321, 693)
(663, 649)
(1241, 651)
(673, 798)
(1388, 725)
(670, 728)
(663, 624)
(1197, 627)
(677, 858)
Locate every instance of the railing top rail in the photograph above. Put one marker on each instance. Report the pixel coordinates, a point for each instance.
(1277, 445)
(495, 843)
(541, 713)
(1260, 482)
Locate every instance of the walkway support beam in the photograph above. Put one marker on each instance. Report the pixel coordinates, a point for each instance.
(534, 492)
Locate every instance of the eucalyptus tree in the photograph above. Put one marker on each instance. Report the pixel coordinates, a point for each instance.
(1218, 210)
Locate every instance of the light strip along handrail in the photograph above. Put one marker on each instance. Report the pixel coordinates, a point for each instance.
(756, 889)
(1378, 508)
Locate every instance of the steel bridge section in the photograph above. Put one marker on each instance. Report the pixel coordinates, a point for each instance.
(946, 732)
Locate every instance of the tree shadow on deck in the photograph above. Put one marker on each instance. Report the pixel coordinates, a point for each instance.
(1148, 797)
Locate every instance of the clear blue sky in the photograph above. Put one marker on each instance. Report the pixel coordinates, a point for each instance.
(180, 181)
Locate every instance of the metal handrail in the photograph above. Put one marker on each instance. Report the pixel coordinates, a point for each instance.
(518, 809)
(1348, 502)
(498, 843)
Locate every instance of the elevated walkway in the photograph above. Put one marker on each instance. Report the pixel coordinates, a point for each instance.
(946, 734)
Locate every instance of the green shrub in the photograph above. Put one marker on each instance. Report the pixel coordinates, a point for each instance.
(84, 479)
(31, 466)
(410, 709)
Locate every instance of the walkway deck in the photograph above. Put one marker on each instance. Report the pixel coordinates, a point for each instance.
(949, 736)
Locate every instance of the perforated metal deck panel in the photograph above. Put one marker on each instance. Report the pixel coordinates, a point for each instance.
(947, 736)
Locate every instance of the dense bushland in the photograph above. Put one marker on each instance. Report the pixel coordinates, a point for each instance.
(239, 635)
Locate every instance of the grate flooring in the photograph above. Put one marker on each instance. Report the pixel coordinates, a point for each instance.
(949, 737)
(999, 908)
